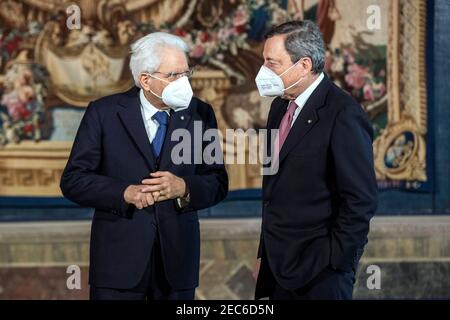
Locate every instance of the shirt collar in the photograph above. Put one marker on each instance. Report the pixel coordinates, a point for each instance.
(304, 96)
(149, 109)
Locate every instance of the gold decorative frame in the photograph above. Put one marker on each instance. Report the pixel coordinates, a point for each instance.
(407, 94)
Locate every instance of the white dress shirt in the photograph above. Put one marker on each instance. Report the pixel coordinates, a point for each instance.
(151, 127)
(148, 110)
(304, 96)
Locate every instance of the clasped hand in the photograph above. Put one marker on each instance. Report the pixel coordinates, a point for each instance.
(162, 185)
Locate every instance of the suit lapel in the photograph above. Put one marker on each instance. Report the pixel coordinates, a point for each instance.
(177, 120)
(273, 122)
(131, 118)
(278, 113)
(307, 118)
(305, 121)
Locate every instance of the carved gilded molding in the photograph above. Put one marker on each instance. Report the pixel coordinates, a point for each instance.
(32, 169)
(401, 149)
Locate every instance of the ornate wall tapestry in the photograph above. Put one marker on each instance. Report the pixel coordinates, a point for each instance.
(48, 74)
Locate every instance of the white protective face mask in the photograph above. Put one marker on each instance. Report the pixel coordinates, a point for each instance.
(177, 95)
(270, 84)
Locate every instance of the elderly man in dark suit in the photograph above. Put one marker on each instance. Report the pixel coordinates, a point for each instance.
(145, 239)
(318, 204)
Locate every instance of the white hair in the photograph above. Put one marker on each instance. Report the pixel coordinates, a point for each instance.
(146, 52)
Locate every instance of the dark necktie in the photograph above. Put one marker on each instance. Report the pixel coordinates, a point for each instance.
(163, 119)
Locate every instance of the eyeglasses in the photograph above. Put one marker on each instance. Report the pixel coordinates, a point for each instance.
(176, 75)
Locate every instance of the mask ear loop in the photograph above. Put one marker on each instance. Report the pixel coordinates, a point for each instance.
(285, 71)
(294, 84)
(297, 82)
(155, 77)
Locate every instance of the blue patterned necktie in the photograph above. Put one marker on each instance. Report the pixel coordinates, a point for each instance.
(163, 119)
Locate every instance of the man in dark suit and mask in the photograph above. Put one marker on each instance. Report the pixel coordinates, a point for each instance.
(318, 204)
(145, 239)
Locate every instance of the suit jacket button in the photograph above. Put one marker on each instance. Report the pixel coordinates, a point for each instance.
(266, 203)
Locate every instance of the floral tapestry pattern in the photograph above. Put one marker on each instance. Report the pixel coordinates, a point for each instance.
(48, 70)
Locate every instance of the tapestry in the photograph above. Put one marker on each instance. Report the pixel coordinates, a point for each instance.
(58, 55)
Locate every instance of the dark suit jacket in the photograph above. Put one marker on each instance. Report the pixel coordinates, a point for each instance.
(112, 151)
(317, 207)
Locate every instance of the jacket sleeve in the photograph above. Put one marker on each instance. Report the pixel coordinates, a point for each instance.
(260, 247)
(356, 186)
(209, 185)
(81, 181)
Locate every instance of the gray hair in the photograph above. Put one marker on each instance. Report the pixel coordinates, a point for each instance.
(303, 39)
(146, 52)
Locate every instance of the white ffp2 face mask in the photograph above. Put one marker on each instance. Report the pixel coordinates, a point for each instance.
(177, 95)
(270, 84)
